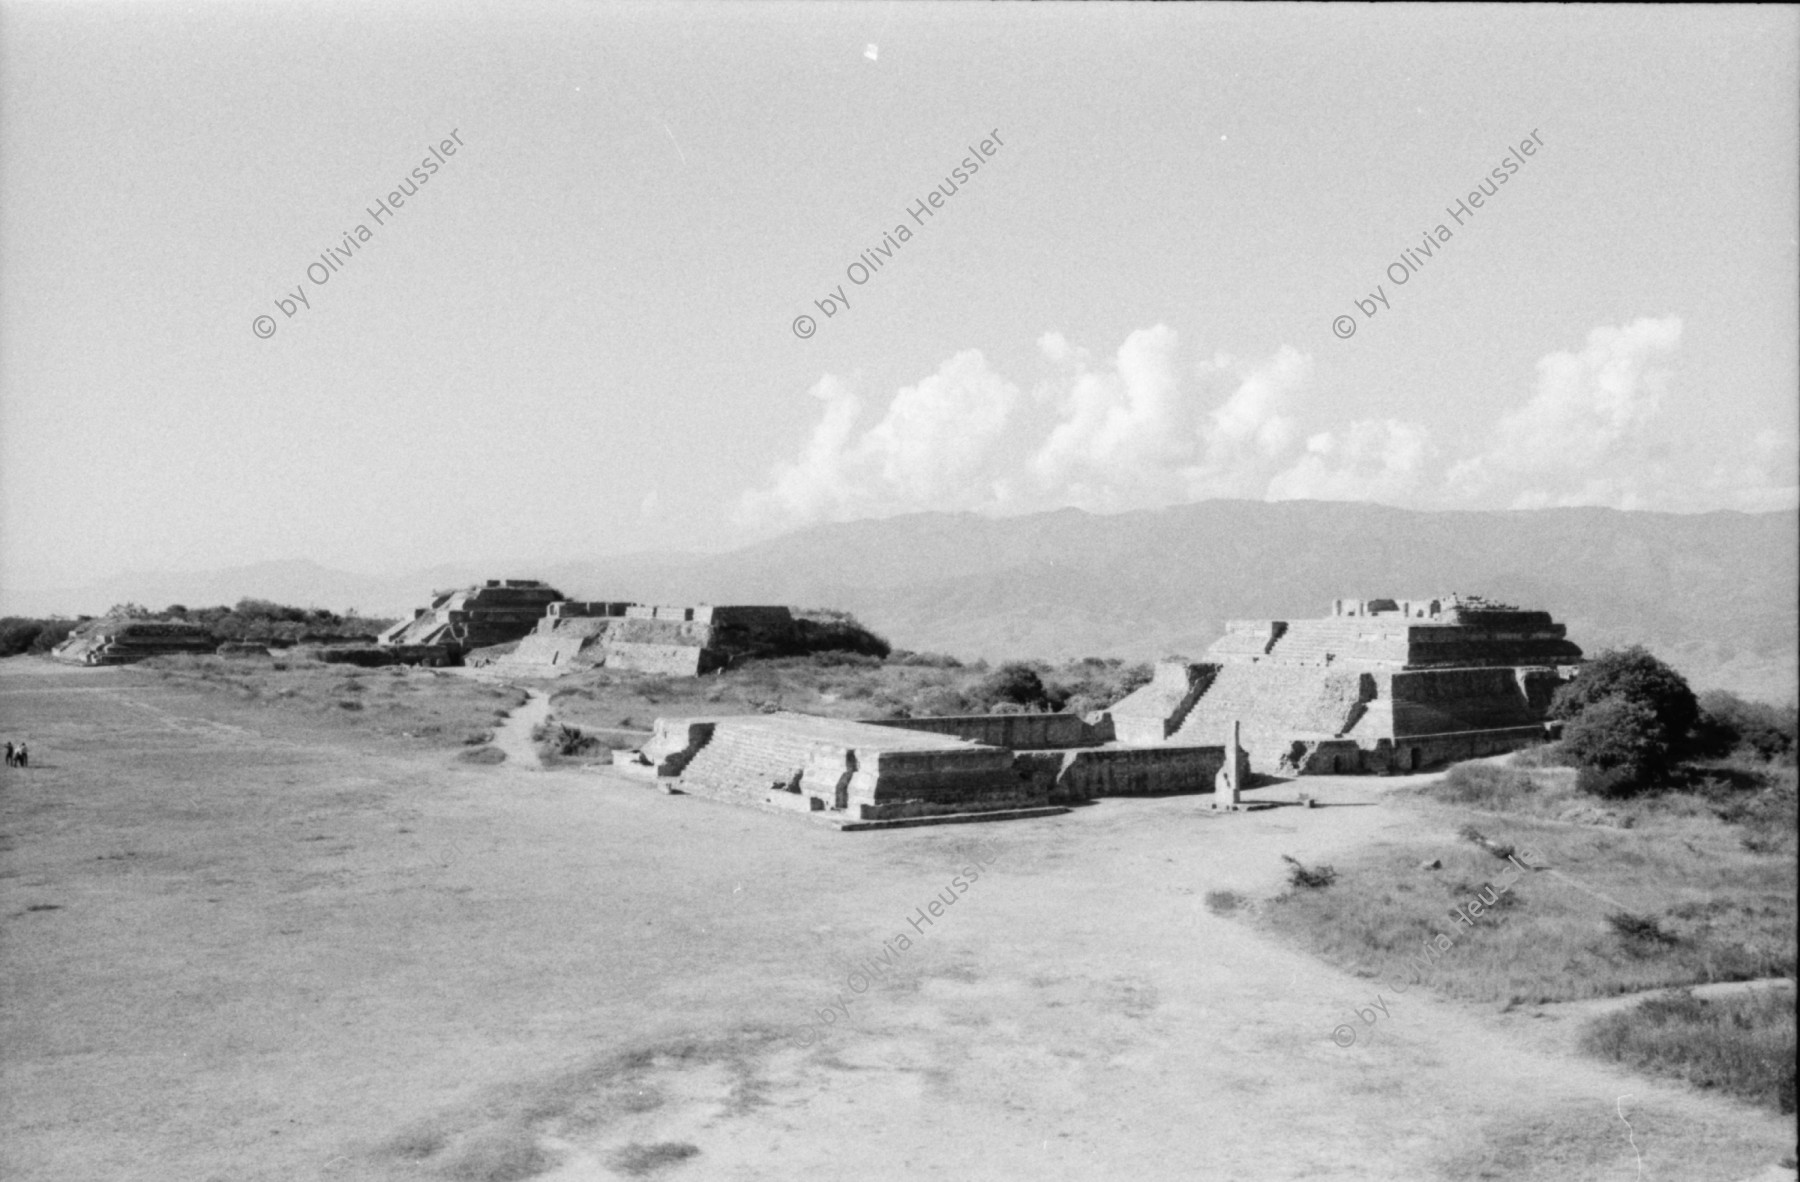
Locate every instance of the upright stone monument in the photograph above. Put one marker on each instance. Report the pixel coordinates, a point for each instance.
(1226, 783)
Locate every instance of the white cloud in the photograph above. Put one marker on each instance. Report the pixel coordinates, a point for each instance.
(1583, 438)
(1251, 430)
(1374, 460)
(1144, 428)
(934, 448)
(1136, 433)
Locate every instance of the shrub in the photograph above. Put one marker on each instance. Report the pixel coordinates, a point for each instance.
(19, 634)
(822, 630)
(1500, 850)
(1639, 931)
(1729, 724)
(1637, 676)
(1015, 682)
(1224, 902)
(1313, 878)
(1621, 737)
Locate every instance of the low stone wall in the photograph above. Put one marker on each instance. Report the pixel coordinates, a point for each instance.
(1415, 752)
(678, 660)
(1137, 771)
(852, 770)
(1443, 701)
(1015, 732)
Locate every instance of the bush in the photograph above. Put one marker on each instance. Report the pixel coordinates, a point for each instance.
(1729, 724)
(821, 630)
(1224, 902)
(19, 634)
(1639, 931)
(1636, 676)
(1015, 682)
(1622, 739)
(1313, 878)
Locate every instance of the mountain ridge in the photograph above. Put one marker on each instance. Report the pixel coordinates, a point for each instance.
(1713, 593)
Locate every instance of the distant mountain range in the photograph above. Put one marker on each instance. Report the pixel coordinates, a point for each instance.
(1715, 594)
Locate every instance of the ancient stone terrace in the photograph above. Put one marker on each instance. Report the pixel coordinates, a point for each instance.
(1378, 685)
(117, 641)
(850, 769)
(683, 641)
(494, 612)
(1447, 632)
(968, 767)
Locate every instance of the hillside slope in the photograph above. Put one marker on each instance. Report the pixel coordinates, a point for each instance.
(1714, 593)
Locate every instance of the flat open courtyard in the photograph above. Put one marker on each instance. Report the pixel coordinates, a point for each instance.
(244, 944)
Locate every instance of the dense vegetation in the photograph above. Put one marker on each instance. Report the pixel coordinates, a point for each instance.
(21, 634)
(249, 619)
(1632, 725)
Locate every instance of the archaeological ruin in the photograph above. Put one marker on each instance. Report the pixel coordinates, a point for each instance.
(1377, 686)
(856, 774)
(120, 641)
(554, 634)
(494, 612)
(1380, 685)
(681, 641)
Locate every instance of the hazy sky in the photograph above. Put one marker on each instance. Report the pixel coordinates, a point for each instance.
(579, 334)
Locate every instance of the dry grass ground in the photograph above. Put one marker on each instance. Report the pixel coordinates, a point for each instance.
(248, 940)
(417, 706)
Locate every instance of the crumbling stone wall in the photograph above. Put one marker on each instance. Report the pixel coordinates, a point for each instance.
(1016, 732)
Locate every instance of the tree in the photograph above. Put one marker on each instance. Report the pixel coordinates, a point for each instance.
(1618, 744)
(1632, 673)
(1014, 682)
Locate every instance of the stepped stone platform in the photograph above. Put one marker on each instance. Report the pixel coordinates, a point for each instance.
(495, 612)
(116, 641)
(852, 770)
(682, 641)
(1380, 685)
(923, 770)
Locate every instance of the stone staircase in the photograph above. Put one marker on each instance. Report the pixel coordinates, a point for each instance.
(1275, 705)
(1321, 642)
(745, 758)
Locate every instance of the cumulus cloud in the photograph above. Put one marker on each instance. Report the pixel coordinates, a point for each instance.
(1373, 460)
(1583, 437)
(1138, 430)
(1147, 427)
(934, 448)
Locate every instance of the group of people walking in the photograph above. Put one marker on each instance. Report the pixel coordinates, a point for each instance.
(17, 757)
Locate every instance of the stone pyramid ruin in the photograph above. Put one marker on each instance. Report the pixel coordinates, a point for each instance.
(1378, 685)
